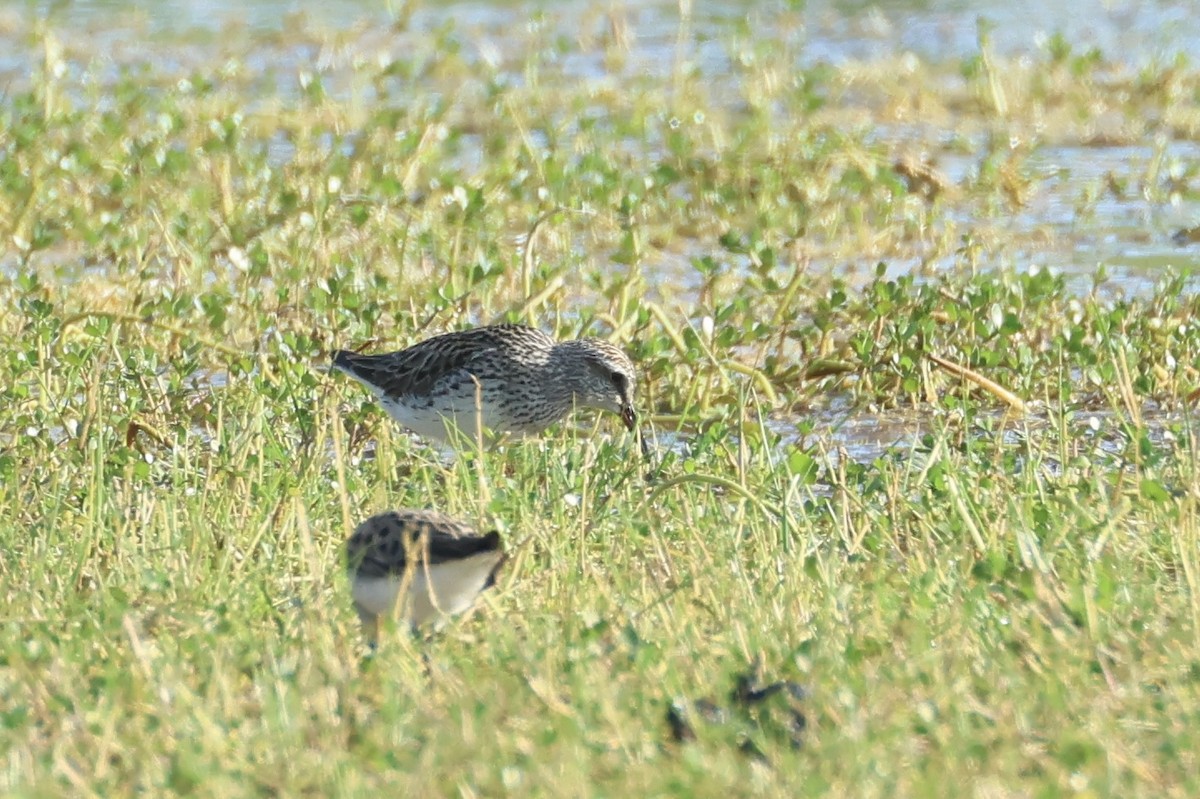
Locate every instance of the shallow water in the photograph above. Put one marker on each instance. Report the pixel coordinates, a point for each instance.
(833, 30)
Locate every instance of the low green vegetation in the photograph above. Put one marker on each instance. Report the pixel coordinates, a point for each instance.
(901, 458)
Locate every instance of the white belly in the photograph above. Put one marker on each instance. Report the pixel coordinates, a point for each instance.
(447, 423)
(434, 591)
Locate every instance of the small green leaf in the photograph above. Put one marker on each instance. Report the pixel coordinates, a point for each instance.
(1154, 491)
(802, 465)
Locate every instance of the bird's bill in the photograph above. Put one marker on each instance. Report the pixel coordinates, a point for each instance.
(629, 417)
(645, 442)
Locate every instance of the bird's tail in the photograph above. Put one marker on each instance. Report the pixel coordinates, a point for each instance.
(491, 543)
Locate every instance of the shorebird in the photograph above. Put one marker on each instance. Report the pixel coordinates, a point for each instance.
(521, 380)
(438, 564)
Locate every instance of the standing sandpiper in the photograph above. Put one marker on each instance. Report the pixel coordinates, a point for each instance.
(440, 565)
(523, 379)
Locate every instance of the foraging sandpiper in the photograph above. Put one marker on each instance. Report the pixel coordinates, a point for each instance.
(521, 380)
(439, 564)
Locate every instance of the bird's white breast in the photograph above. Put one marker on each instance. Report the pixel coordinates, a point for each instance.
(445, 419)
(439, 589)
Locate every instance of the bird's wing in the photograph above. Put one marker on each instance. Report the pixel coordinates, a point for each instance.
(392, 556)
(445, 548)
(417, 370)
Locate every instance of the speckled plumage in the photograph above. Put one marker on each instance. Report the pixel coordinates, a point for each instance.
(521, 380)
(439, 563)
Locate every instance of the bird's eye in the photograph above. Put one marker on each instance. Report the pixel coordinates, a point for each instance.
(617, 379)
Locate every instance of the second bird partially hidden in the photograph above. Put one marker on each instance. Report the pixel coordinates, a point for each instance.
(432, 564)
(515, 378)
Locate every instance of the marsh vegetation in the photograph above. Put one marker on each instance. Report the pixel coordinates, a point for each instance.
(918, 344)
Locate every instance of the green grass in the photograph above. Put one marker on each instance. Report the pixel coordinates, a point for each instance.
(1001, 604)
